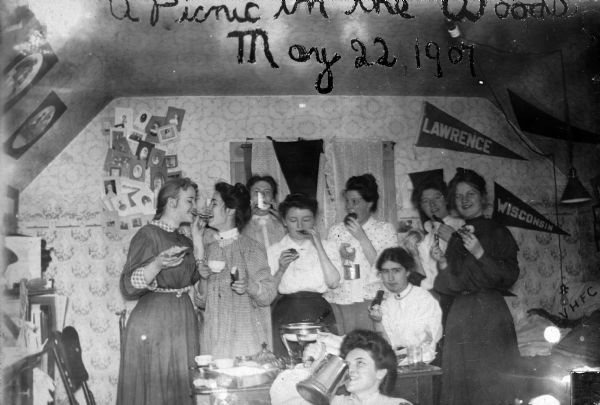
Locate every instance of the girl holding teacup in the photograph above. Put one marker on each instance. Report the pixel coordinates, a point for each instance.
(240, 287)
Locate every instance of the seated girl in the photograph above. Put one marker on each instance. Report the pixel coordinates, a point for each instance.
(372, 371)
(408, 315)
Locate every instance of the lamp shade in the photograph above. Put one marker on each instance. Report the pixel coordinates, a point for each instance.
(574, 192)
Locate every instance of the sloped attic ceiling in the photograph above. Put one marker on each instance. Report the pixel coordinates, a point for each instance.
(102, 54)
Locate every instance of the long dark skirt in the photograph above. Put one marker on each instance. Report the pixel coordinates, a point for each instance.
(300, 307)
(481, 355)
(160, 343)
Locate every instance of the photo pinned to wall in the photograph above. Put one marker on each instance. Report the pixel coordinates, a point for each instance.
(117, 159)
(136, 136)
(136, 222)
(124, 118)
(24, 71)
(158, 176)
(35, 126)
(111, 188)
(156, 158)
(168, 133)
(118, 140)
(137, 170)
(141, 120)
(144, 149)
(152, 128)
(175, 117)
(111, 220)
(171, 162)
(133, 192)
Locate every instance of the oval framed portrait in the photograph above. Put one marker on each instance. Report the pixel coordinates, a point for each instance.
(20, 76)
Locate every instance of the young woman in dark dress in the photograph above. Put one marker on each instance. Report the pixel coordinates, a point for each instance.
(161, 337)
(480, 353)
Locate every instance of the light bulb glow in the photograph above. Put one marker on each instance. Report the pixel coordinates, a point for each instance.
(552, 334)
(544, 400)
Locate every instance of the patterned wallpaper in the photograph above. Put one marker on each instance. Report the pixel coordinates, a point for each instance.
(63, 203)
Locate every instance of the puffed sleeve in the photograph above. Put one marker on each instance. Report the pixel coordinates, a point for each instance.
(263, 289)
(142, 250)
(385, 237)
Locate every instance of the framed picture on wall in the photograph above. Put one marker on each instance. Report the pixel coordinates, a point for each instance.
(151, 129)
(175, 117)
(35, 126)
(23, 72)
(144, 150)
(171, 161)
(156, 157)
(117, 140)
(167, 133)
(141, 120)
(158, 176)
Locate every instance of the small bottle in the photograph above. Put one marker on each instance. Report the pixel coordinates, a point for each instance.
(235, 274)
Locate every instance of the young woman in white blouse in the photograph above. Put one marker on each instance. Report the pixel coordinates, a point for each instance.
(304, 267)
(409, 315)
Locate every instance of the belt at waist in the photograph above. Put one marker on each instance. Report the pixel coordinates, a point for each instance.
(177, 291)
(303, 294)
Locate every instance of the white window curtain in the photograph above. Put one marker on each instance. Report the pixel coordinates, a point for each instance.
(340, 161)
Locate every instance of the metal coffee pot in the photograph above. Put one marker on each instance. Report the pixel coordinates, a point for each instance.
(330, 374)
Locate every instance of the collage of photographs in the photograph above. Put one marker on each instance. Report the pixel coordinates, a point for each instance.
(137, 165)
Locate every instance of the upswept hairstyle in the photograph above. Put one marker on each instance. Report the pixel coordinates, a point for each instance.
(171, 189)
(380, 350)
(301, 201)
(366, 186)
(398, 255)
(236, 197)
(267, 179)
(465, 176)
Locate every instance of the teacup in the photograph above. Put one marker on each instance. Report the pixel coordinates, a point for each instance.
(203, 359)
(216, 266)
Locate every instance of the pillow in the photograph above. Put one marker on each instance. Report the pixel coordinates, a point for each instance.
(584, 298)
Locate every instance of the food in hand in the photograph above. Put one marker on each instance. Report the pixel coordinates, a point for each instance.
(378, 298)
(235, 274)
(292, 251)
(350, 215)
(176, 250)
(467, 229)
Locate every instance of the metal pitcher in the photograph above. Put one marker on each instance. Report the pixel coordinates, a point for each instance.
(330, 374)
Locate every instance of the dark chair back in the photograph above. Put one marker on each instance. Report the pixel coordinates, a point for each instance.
(66, 350)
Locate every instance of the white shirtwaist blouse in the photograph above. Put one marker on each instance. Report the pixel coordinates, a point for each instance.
(409, 316)
(304, 273)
